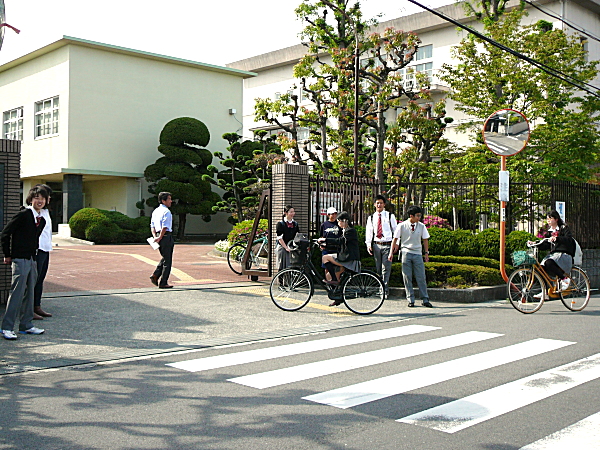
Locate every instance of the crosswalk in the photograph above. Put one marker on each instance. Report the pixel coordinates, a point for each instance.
(450, 417)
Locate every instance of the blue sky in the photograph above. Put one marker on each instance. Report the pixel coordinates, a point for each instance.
(209, 31)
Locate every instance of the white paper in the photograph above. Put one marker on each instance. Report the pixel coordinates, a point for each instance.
(153, 244)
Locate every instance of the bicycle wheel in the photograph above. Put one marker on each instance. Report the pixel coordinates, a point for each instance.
(526, 290)
(577, 295)
(291, 289)
(363, 293)
(234, 257)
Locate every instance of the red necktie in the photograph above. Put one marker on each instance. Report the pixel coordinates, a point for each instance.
(412, 229)
(379, 228)
(38, 219)
(290, 224)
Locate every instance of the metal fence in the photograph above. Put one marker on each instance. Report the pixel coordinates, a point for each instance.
(470, 205)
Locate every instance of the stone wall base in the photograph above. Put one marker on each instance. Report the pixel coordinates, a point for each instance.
(470, 295)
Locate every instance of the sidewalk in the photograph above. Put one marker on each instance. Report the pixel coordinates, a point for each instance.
(92, 327)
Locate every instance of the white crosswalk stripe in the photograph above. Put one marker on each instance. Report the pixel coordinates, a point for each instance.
(583, 435)
(337, 365)
(477, 408)
(358, 394)
(263, 354)
(450, 417)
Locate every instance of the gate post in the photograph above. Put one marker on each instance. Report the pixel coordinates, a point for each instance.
(290, 186)
(10, 186)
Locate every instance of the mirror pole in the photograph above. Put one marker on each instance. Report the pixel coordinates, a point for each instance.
(503, 229)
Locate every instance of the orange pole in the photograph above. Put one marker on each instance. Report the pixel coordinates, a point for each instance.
(503, 228)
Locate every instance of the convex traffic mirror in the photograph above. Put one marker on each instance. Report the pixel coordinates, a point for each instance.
(506, 132)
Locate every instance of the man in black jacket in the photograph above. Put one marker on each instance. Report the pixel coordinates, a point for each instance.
(20, 241)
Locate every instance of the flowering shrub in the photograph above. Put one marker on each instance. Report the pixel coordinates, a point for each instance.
(436, 222)
(542, 231)
(223, 245)
(246, 227)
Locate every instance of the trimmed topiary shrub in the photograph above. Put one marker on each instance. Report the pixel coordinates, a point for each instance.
(108, 227)
(517, 240)
(489, 243)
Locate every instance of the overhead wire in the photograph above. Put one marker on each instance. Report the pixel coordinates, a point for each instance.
(590, 89)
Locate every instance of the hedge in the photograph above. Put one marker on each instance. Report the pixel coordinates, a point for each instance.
(108, 227)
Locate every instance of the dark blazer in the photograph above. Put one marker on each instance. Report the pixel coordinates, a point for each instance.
(348, 243)
(564, 242)
(20, 236)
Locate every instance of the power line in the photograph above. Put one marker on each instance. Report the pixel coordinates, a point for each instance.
(570, 24)
(590, 89)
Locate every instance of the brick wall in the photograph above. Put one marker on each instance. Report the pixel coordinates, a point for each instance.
(290, 186)
(10, 160)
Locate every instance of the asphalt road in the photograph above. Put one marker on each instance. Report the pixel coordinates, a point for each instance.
(396, 365)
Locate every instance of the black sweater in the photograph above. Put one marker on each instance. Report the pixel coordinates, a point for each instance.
(20, 237)
(348, 243)
(564, 242)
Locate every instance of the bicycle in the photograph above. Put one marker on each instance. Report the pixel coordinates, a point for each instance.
(235, 254)
(528, 286)
(292, 288)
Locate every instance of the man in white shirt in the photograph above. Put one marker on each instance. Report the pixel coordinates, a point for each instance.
(161, 226)
(412, 238)
(378, 237)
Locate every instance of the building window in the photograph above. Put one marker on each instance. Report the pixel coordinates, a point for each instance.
(13, 124)
(46, 117)
(424, 52)
(584, 44)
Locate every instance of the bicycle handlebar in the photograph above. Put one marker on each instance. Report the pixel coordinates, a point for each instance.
(535, 244)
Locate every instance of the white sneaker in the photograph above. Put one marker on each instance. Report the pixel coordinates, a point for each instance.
(33, 330)
(564, 284)
(540, 295)
(9, 334)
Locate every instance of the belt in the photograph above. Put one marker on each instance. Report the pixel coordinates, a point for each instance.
(384, 243)
(167, 233)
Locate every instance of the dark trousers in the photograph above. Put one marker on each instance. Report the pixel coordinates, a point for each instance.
(43, 258)
(163, 270)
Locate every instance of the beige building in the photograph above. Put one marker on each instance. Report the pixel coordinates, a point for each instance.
(89, 117)
(275, 69)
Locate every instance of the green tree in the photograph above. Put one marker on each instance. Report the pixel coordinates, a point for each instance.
(564, 140)
(247, 172)
(185, 171)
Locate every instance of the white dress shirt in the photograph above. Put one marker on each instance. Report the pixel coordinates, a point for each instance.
(46, 236)
(388, 224)
(162, 218)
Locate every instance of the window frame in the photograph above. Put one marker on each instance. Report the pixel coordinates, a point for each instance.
(7, 121)
(41, 111)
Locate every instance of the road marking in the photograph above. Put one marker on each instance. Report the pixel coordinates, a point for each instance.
(183, 277)
(358, 394)
(477, 408)
(263, 354)
(321, 368)
(583, 435)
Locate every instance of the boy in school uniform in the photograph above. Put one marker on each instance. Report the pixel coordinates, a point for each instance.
(20, 241)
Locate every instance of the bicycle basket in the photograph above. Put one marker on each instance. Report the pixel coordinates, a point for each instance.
(522, 258)
(299, 253)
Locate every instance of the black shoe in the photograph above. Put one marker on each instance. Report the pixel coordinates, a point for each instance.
(427, 305)
(411, 305)
(336, 303)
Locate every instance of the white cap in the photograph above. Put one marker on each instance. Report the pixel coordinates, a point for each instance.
(331, 210)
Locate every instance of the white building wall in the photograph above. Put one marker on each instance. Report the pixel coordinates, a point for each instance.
(23, 86)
